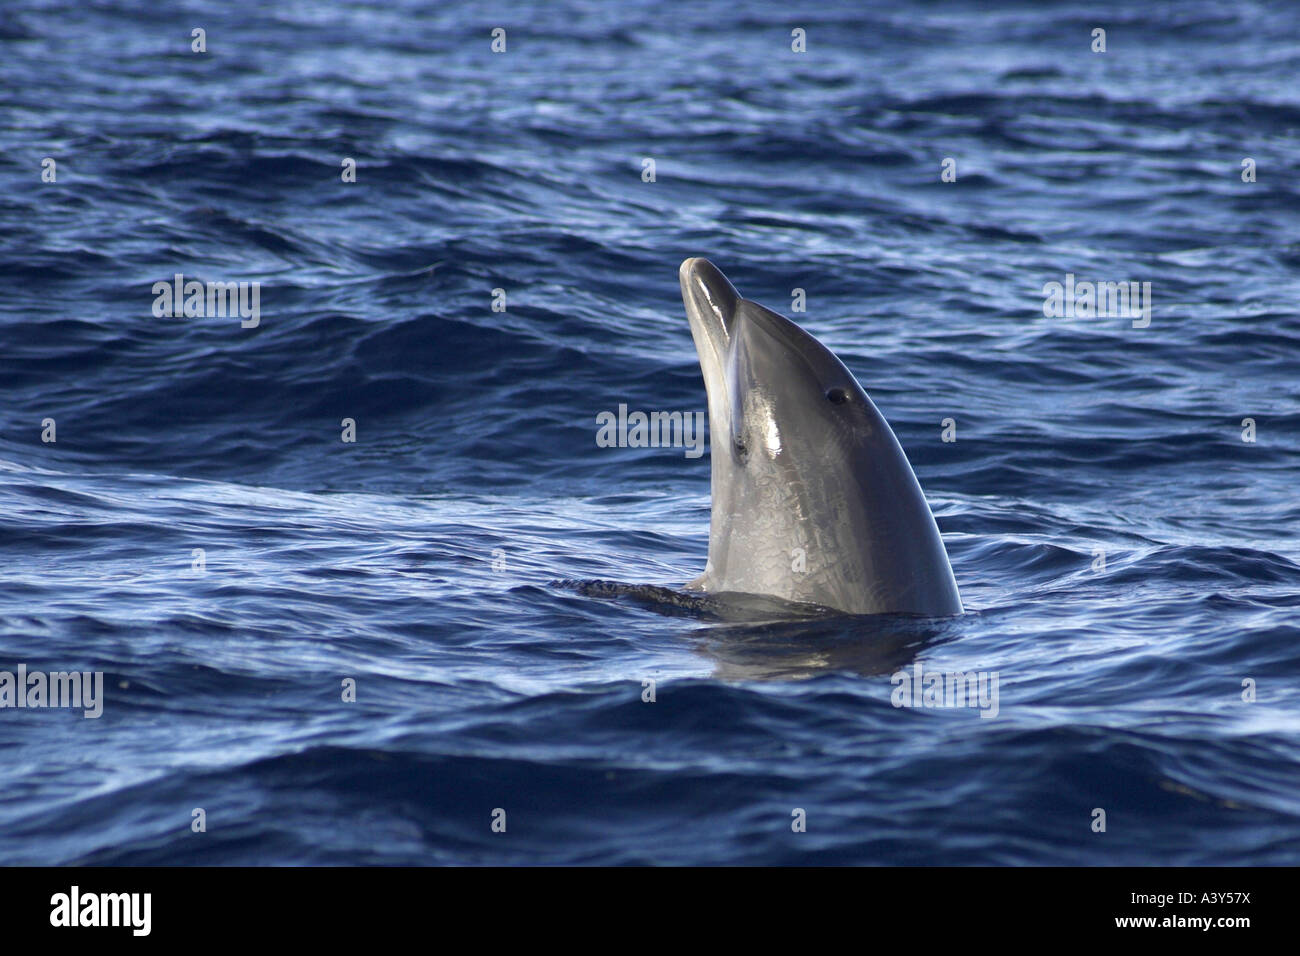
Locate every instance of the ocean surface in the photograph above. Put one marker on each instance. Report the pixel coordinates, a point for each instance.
(1130, 564)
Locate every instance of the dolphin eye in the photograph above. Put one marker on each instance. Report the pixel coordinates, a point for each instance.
(837, 396)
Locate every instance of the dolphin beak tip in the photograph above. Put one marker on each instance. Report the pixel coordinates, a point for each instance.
(704, 284)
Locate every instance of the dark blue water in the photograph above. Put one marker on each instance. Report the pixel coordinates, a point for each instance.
(421, 560)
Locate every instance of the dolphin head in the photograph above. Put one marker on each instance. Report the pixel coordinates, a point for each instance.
(813, 498)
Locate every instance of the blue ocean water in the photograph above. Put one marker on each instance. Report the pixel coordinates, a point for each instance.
(423, 560)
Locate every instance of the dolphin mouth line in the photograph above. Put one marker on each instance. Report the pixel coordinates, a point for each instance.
(711, 302)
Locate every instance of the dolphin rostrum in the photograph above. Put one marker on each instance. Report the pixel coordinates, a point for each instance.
(813, 498)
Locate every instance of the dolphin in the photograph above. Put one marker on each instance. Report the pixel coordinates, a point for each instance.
(814, 500)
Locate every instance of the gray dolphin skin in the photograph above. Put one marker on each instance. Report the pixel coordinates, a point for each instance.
(813, 498)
